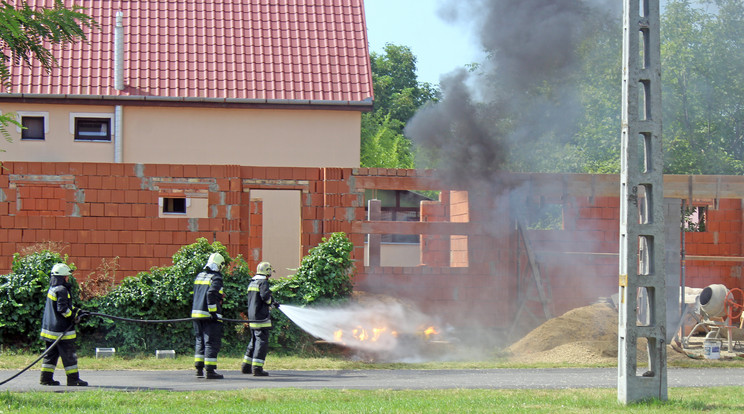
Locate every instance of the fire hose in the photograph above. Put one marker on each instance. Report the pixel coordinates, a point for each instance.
(117, 318)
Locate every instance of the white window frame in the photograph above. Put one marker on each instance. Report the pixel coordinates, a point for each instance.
(19, 118)
(101, 115)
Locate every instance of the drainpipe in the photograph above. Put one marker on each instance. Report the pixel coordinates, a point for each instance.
(118, 85)
(118, 134)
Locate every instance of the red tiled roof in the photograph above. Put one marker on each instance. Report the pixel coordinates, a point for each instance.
(296, 50)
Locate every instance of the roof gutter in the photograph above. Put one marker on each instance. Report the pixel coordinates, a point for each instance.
(145, 99)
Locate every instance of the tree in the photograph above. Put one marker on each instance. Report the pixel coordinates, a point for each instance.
(26, 35)
(398, 95)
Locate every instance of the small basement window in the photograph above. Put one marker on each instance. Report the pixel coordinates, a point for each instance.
(175, 205)
(33, 127)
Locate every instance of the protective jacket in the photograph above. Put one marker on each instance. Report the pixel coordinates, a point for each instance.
(259, 300)
(207, 294)
(58, 312)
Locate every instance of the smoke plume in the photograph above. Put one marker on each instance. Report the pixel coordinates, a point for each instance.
(502, 112)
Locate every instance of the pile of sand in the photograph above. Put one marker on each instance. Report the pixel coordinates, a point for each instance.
(586, 335)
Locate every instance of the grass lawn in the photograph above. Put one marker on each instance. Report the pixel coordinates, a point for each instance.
(291, 400)
(288, 400)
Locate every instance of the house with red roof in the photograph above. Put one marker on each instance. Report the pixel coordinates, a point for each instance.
(261, 83)
(239, 82)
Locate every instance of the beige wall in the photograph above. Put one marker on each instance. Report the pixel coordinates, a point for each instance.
(396, 254)
(164, 135)
(281, 229)
(59, 144)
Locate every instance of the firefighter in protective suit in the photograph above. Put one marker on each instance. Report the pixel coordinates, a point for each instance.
(59, 320)
(207, 309)
(259, 320)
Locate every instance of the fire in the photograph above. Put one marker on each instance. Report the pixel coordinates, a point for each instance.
(430, 331)
(362, 334)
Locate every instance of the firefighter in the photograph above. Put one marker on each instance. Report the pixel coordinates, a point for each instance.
(259, 321)
(207, 308)
(59, 320)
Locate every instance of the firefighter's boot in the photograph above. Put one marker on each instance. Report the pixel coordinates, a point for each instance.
(259, 372)
(246, 368)
(47, 378)
(73, 380)
(212, 373)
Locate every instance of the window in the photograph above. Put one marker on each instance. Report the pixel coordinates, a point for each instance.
(33, 127)
(694, 218)
(93, 129)
(174, 205)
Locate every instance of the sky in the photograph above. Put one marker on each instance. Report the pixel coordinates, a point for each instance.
(439, 47)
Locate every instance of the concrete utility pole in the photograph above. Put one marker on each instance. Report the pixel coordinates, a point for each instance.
(642, 261)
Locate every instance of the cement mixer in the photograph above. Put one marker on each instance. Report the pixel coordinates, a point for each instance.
(713, 301)
(719, 307)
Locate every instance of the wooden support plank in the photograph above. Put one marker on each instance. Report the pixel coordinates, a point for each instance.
(417, 227)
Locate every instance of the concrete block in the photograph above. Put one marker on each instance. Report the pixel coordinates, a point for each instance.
(105, 352)
(165, 353)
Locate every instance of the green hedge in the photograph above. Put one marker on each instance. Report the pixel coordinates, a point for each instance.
(163, 293)
(23, 295)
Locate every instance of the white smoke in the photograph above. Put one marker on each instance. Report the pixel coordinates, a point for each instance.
(390, 331)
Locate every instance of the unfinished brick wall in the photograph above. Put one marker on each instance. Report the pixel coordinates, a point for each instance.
(706, 251)
(104, 211)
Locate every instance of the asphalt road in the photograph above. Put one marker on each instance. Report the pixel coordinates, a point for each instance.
(553, 378)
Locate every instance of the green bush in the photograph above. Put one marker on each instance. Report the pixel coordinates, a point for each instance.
(167, 293)
(23, 296)
(324, 276)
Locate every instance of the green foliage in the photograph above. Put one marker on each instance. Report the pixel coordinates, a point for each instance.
(398, 95)
(324, 276)
(23, 296)
(167, 293)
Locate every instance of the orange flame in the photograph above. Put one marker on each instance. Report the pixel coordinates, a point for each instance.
(430, 331)
(338, 335)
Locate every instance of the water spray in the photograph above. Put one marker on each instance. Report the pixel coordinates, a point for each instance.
(389, 330)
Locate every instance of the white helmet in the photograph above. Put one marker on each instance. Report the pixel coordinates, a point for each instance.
(61, 269)
(265, 269)
(215, 261)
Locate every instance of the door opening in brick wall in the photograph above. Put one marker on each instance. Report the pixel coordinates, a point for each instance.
(281, 228)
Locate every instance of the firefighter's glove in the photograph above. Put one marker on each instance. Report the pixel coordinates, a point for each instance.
(214, 317)
(276, 304)
(79, 314)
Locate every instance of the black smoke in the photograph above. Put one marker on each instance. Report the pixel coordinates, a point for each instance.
(503, 113)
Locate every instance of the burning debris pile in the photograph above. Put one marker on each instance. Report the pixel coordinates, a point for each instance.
(380, 328)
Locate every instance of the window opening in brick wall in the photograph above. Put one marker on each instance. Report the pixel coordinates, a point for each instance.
(398, 205)
(175, 205)
(33, 127)
(694, 218)
(545, 216)
(92, 129)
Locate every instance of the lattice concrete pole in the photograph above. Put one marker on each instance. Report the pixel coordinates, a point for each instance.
(642, 273)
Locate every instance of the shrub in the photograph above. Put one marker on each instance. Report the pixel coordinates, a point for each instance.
(23, 296)
(324, 276)
(167, 293)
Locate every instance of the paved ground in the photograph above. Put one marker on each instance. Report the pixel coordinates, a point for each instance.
(373, 379)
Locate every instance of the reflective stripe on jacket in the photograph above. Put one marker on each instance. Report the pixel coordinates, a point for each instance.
(207, 294)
